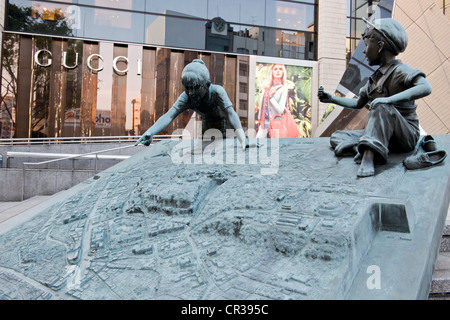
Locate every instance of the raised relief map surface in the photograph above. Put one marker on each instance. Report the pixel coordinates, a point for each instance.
(287, 220)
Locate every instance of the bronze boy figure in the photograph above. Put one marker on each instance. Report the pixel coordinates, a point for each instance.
(392, 124)
(209, 100)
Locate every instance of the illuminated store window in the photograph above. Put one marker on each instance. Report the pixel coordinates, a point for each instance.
(283, 14)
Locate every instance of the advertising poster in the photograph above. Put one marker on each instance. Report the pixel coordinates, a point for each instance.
(283, 100)
(72, 117)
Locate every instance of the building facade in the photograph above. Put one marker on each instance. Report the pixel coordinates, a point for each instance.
(90, 68)
(428, 28)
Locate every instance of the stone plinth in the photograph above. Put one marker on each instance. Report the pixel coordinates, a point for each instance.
(287, 220)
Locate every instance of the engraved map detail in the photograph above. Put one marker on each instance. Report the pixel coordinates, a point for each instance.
(148, 228)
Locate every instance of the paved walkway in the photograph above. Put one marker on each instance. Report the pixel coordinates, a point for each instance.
(12, 209)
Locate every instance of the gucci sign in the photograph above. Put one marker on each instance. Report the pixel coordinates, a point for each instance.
(40, 62)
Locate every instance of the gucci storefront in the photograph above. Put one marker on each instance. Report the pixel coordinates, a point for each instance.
(86, 68)
(79, 88)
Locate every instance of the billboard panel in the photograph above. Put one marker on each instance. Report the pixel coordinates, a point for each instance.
(281, 88)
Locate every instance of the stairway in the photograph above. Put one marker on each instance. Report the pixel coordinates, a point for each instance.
(440, 285)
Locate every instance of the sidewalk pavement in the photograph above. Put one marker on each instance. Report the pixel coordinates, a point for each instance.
(9, 210)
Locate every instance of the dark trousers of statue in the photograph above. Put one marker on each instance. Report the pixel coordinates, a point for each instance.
(387, 130)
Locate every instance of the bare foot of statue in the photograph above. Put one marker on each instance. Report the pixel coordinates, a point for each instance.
(358, 158)
(367, 167)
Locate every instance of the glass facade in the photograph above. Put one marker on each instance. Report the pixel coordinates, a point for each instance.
(75, 68)
(53, 87)
(358, 70)
(262, 27)
(356, 10)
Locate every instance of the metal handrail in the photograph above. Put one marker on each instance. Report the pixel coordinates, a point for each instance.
(155, 138)
(68, 158)
(96, 152)
(78, 140)
(78, 156)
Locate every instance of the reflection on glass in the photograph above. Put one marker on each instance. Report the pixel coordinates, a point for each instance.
(288, 15)
(238, 11)
(360, 8)
(40, 91)
(358, 70)
(357, 28)
(355, 76)
(112, 25)
(69, 91)
(104, 90)
(175, 32)
(73, 90)
(110, 18)
(137, 5)
(356, 10)
(67, 1)
(176, 23)
(9, 85)
(383, 10)
(134, 81)
(39, 17)
(273, 42)
(307, 1)
(45, 13)
(195, 8)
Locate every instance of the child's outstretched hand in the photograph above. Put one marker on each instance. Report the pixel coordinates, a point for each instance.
(323, 96)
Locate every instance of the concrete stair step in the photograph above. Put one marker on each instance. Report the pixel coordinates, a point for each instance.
(445, 244)
(447, 227)
(440, 285)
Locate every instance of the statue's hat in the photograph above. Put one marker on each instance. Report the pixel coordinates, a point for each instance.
(392, 31)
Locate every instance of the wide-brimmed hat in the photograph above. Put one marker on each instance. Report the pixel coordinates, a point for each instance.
(392, 31)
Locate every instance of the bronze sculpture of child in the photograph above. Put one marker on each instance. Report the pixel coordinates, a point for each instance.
(209, 100)
(392, 124)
